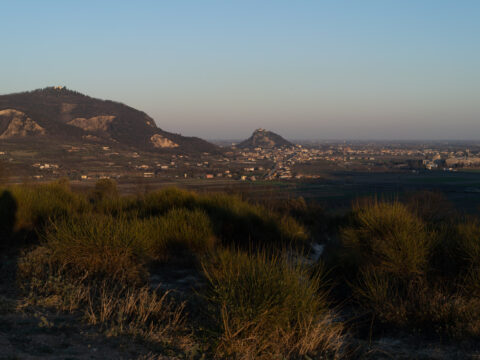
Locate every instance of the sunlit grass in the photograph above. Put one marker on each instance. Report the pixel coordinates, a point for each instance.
(267, 307)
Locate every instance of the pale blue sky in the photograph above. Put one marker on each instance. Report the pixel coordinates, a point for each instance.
(385, 69)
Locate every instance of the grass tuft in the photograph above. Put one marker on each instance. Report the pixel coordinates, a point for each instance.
(267, 307)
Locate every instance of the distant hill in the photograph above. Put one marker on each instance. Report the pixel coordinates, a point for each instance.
(264, 139)
(65, 116)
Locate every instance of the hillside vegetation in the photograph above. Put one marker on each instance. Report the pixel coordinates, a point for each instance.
(259, 291)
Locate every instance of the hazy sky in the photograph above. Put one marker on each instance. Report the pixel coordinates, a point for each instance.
(385, 69)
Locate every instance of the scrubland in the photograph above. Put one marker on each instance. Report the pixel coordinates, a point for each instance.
(389, 268)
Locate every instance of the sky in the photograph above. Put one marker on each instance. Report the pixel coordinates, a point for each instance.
(370, 69)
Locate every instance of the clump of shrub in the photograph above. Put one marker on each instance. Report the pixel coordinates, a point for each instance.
(267, 307)
(389, 248)
(178, 234)
(234, 221)
(399, 279)
(387, 237)
(105, 189)
(102, 246)
(37, 204)
(121, 247)
(467, 253)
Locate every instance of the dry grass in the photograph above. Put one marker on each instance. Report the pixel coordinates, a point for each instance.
(136, 311)
(266, 307)
(95, 252)
(118, 307)
(413, 270)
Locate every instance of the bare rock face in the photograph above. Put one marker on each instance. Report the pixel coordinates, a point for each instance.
(19, 125)
(95, 123)
(160, 141)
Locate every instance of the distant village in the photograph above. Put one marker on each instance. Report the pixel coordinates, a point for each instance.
(248, 164)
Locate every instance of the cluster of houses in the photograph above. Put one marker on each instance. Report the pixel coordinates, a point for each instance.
(46, 166)
(267, 163)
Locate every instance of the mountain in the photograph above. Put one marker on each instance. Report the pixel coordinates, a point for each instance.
(264, 139)
(65, 116)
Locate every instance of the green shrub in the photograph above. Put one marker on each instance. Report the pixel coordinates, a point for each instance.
(242, 224)
(102, 246)
(391, 300)
(127, 206)
(388, 248)
(104, 189)
(467, 251)
(267, 307)
(120, 247)
(177, 234)
(401, 275)
(233, 220)
(39, 203)
(389, 238)
(158, 202)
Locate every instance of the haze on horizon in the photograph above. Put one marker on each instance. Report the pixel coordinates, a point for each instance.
(217, 69)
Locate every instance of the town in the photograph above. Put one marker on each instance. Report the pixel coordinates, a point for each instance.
(287, 163)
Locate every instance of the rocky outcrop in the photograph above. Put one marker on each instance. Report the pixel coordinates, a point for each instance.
(160, 141)
(95, 123)
(19, 125)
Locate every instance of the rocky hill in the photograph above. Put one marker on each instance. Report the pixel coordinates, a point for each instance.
(264, 139)
(65, 116)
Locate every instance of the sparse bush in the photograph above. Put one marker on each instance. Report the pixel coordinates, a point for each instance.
(119, 307)
(267, 307)
(137, 311)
